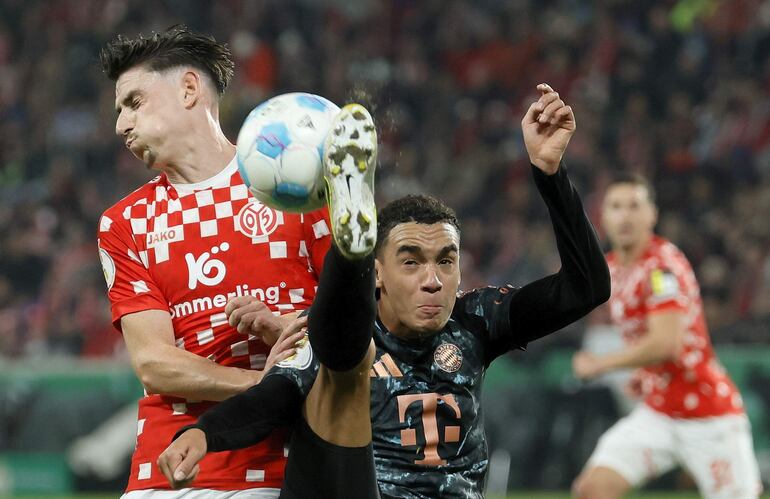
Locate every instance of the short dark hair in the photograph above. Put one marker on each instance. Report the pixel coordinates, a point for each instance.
(418, 208)
(624, 177)
(177, 46)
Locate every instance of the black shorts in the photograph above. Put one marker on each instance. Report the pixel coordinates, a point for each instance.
(317, 469)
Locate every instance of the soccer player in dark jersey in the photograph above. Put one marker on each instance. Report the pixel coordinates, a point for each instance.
(432, 345)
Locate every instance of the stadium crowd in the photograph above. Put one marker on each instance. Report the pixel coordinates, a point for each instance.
(676, 90)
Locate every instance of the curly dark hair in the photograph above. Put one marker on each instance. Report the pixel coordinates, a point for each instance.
(177, 46)
(418, 208)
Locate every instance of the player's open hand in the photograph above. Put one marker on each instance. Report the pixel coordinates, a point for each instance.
(250, 316)
(548, 126)
(586, 365)
(291, 338)
(179, 462)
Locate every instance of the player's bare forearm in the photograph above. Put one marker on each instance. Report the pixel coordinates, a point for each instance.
(168, 370)
(165, 369)
(646, 352)
(661, 343)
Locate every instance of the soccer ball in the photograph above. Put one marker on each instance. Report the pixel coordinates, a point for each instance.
(280, 149)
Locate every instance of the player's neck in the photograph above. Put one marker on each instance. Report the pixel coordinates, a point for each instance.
(629, 254)
(397, 328)
(203, 153)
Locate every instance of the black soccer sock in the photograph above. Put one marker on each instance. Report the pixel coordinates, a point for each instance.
(342, 316)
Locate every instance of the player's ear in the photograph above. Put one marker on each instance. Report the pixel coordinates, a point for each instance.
(377, 273)
(191, 88)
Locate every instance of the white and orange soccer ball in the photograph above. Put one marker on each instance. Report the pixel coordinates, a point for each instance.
(280, 149)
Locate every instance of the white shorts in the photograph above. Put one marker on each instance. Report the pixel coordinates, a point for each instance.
(261, 493)
(718, 452)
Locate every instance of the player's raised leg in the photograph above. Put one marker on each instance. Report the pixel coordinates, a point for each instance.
(331, 453)
(343, 315)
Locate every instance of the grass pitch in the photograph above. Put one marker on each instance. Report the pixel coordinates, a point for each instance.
(516, 495)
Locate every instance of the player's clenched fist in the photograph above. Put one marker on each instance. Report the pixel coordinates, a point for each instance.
(586, 365)
(179, 462)
(547, 126)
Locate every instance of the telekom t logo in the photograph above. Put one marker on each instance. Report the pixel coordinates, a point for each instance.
(429, 425)
(204, 269)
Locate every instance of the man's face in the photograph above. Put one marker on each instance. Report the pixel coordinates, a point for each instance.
(150, 109)
(418, 275)
(628, 215)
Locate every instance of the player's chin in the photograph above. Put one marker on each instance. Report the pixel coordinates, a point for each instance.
(431, 325)
(626, 241)
(137, 153)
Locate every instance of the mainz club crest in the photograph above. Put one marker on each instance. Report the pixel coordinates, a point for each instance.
(257, 220)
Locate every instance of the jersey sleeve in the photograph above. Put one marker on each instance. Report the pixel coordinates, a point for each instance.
(664, 291)
(129, 285)
(317, 237)
(247, 418)
(485, 312)
(554, 301)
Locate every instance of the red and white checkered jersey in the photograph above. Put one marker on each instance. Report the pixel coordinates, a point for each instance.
(694, 385)
(187, 249)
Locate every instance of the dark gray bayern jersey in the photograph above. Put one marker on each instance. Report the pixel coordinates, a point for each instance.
(427, 426)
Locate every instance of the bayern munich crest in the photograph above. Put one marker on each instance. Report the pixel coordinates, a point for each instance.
(257, 220)
(448, 357)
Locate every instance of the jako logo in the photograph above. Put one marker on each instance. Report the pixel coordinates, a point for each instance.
(208, 272)
(164, 237)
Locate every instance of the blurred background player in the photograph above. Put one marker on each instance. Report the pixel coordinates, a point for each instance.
(692, 413)
(187, 255)
(433, 346)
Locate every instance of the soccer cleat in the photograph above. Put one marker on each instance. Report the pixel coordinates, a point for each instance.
(350, 155)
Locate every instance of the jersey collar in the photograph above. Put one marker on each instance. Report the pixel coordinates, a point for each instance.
(221, 179)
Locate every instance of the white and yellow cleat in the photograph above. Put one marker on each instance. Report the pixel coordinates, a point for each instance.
(350, 156)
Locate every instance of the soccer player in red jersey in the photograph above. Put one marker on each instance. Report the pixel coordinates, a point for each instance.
(188, 256)
(692, 413)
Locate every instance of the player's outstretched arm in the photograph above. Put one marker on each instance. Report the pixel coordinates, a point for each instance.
(247, 418)
(663, 342)
(583, 282)
(165, 369)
